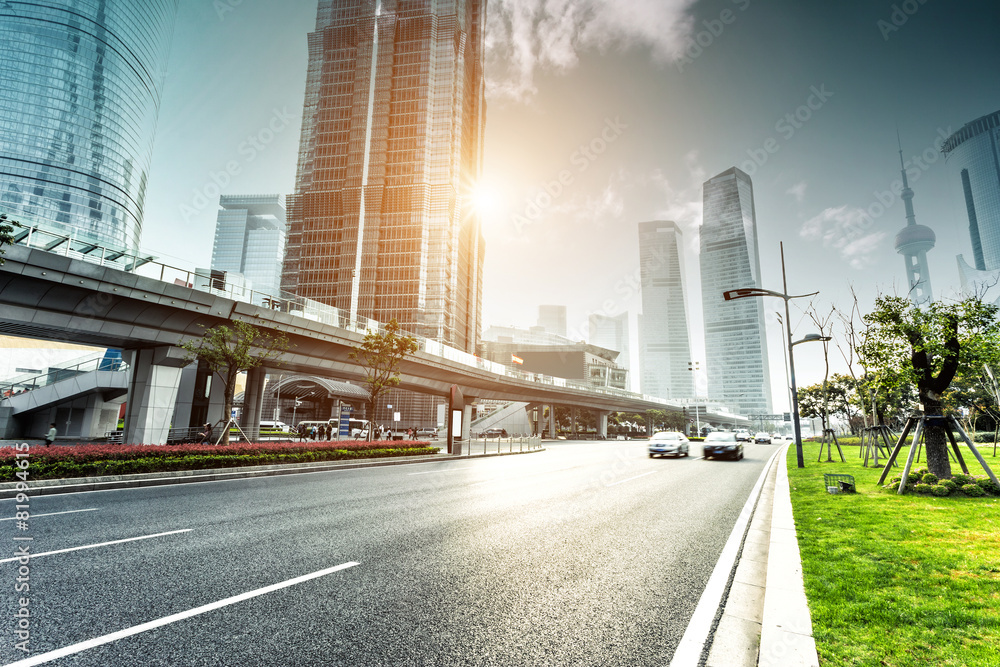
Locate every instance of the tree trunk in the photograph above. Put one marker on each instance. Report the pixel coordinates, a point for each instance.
(936, 440)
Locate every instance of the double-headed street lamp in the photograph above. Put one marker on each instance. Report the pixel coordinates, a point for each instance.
(756, 291)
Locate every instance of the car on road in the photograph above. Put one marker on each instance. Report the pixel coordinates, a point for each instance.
(722, 444)
(744, 436)
(669, 443)
(427, 433)
(762, 439)
(495, 433)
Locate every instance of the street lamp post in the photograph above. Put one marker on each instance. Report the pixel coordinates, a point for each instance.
(757, 291)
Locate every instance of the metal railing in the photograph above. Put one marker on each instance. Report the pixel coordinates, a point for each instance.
(207, 281)
(499, 445)
(21, 384)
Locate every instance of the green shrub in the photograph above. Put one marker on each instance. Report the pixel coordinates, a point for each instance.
(973, 490)
(982, 436)
(892, 486)
(987, 485)
(929, 478)
(962, 479)
(940, 490)
(921, 472)
(949, 483)
(926, 488)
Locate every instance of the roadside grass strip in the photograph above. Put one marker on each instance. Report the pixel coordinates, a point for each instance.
(101, 544)
(173, 618)
(893, 580)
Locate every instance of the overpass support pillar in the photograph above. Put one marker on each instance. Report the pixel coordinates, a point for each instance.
(154, 375)
(602, 424)
(467, 418)
(552, 421)
(572, 422)
(253, 398)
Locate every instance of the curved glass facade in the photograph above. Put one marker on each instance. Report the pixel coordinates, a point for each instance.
(975, 152)
(80, 84)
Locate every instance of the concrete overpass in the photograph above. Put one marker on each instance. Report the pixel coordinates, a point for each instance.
(62, 293)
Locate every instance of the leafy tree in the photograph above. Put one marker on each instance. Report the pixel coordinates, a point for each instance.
(928, 348)
(841, 394)
(6, 233)
(229, 349)
(380, 353)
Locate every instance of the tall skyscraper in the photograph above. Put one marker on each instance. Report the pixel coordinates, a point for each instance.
(250, 239)
(664, 346)
(553, 319)
(381, 223)
(611, 333)
(975, 152)
(735, 338)
(913, 242)
(80, 86)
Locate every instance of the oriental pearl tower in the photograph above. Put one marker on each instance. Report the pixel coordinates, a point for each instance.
(913, 242)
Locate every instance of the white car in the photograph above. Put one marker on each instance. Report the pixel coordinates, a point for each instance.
(669, 443)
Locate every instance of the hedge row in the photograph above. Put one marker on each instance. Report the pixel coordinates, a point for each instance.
(52, 463)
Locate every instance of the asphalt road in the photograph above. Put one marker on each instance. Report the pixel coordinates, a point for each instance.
(586, 554)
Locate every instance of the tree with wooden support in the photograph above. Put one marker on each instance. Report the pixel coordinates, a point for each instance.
(380, 353)
(228, 350)
(928, 347)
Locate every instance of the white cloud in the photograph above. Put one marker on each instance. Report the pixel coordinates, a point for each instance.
(842, 228)
(523, 36)
(798, 191)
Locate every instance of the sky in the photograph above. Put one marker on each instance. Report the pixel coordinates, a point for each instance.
(635, 103)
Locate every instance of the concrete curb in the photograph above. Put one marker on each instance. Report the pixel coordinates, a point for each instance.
(786, 638)
(111, 482)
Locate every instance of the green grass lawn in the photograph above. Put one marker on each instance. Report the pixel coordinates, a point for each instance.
(898, 580)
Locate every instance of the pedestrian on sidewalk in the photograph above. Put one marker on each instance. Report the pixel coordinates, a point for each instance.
(50, 437)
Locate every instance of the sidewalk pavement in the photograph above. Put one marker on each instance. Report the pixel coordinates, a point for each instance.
(765, 619)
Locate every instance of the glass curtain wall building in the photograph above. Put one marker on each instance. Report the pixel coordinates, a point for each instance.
(80, 84)
(250, 240)
(735, 338)
(975, 152)
(611, 332)
(664, 345)
(381, 223)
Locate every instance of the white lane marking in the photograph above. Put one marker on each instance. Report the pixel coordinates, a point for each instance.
(35, 516)
(688, 653)
(622, 481)
(435, 472)
(102, 544)
(173, 618)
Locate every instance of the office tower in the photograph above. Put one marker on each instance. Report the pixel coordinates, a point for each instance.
(381, 223)
(553, 319)
(664, 346)
(913, 242)
(80, 93)
(611, 333)
(735, 338)
(975, 153)
(250, 240)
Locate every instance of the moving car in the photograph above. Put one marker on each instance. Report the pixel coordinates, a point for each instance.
(722, 444)
(763, 439)
(669, 442)
(744, 436)
(427, 433)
